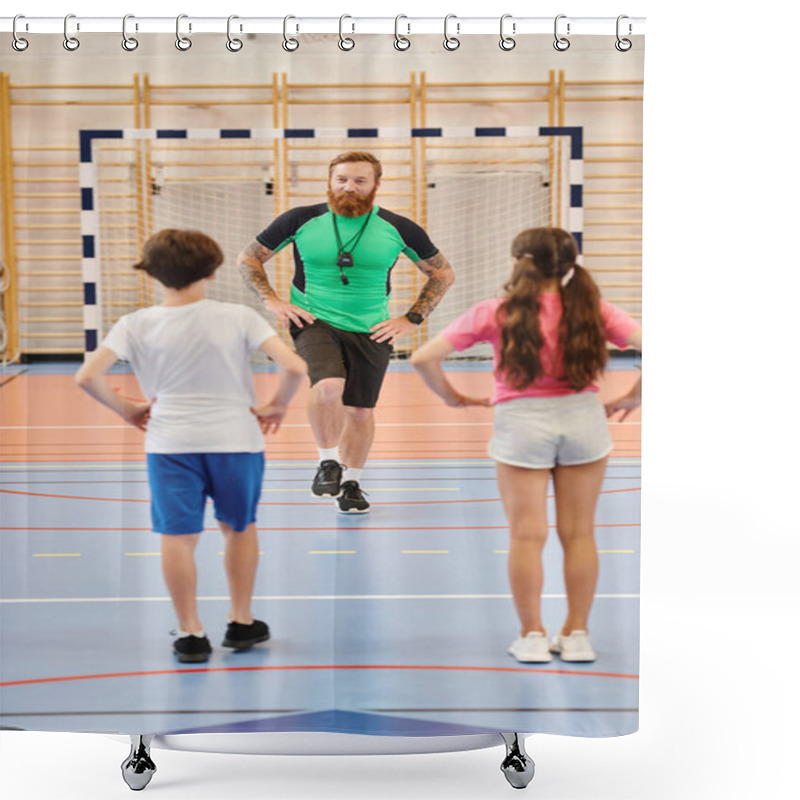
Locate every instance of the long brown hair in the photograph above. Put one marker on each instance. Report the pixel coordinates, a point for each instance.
(544, 253)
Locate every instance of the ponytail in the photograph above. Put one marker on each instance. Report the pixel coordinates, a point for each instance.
(546, 253)
(521, 334)
(581, 337)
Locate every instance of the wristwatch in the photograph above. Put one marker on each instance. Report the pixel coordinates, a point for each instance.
(414, 318)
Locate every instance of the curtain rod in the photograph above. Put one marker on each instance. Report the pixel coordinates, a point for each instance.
(402, 25)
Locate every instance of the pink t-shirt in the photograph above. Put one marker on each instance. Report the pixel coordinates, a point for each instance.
(479, 324)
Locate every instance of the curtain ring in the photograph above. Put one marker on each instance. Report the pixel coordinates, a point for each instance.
(560, 43)
(289, 44)
(507, 42)
(70, 42)
(233, 44)
(451, 43)
(18, 43)
(401, 42)
(183, 43)
(129, 43)
(623, 45)
(345, 42)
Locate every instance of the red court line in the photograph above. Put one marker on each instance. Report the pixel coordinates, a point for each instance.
(382, 503)
(34, 681)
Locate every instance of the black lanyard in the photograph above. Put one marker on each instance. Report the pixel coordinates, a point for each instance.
(345, 256)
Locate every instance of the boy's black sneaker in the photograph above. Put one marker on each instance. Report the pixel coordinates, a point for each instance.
(192, 649)
(328, 480)
(352, 500)
(243, 637)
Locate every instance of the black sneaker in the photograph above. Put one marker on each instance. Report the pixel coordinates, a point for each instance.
(192, 649)
(352, 500)
(328, 480)
(243, 637)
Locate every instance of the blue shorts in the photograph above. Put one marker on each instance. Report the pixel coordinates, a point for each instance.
(180, 484)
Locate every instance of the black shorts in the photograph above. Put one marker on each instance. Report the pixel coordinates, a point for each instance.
(333, 353)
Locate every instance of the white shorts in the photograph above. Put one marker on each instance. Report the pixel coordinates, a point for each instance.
(540, 432)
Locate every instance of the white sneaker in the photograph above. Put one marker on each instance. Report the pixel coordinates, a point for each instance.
(531, 648)
(575, 647)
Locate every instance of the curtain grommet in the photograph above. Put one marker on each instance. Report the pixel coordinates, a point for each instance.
(345, 42)
(561, 43)
(233, 44)
(183, 43)
(451, 43)
(129, 43)
(17, 42)
(401, 43)
(623, 45)
(71, 43)
(507, 43)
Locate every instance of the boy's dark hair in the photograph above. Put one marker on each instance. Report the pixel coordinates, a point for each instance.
(177, 258)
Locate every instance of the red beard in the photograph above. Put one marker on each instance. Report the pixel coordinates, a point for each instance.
(346, 204)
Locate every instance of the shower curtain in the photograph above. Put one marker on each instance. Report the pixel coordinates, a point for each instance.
(392, 622)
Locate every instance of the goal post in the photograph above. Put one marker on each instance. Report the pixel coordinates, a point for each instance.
(472, 189)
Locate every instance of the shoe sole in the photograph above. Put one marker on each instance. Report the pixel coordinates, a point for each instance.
(353, 510)
(326, 494)
(192, 658)
(246, 645)
(577, 659)
(540, 660)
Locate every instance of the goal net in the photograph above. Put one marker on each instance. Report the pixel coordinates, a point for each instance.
(472, 195)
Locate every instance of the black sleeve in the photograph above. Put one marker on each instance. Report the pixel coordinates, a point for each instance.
(284, 228)
(418, 246)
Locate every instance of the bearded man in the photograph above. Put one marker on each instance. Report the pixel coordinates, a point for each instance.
(338, 310)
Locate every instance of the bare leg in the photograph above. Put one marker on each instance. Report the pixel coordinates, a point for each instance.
(325, 411)
(180, 575)
(241, 564)
(577, 489)
(524, 495)
(357, 435)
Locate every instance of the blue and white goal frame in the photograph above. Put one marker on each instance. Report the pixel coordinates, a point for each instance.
(90, 224)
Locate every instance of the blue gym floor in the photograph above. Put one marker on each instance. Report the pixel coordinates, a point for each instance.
(394, 623)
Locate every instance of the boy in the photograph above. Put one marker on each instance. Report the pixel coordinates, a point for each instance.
(203, 434)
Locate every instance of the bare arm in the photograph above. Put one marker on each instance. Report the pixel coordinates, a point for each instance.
(251, 263)
(294, 371)
(428, 362)
(633, 399)
(91, 378)
(440, 278)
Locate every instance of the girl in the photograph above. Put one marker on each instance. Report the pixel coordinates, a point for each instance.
(549, 335)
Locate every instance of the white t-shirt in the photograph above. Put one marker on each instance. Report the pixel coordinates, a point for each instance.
(195, 361)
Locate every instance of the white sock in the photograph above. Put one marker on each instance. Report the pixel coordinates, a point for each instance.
(353, 473)
(328, 453)
(184, 634)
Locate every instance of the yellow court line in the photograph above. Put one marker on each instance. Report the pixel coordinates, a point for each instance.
(383, 489)
(222, 553)
(331, 552)
(505, 552)
(57, 555)
(425, 552)
(142, 554)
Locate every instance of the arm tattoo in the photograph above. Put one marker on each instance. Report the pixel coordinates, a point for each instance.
(440, 277)
(251, 267)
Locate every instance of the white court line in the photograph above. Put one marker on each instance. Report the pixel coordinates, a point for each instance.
(284, 425)
(21, 601)
(89, 466)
